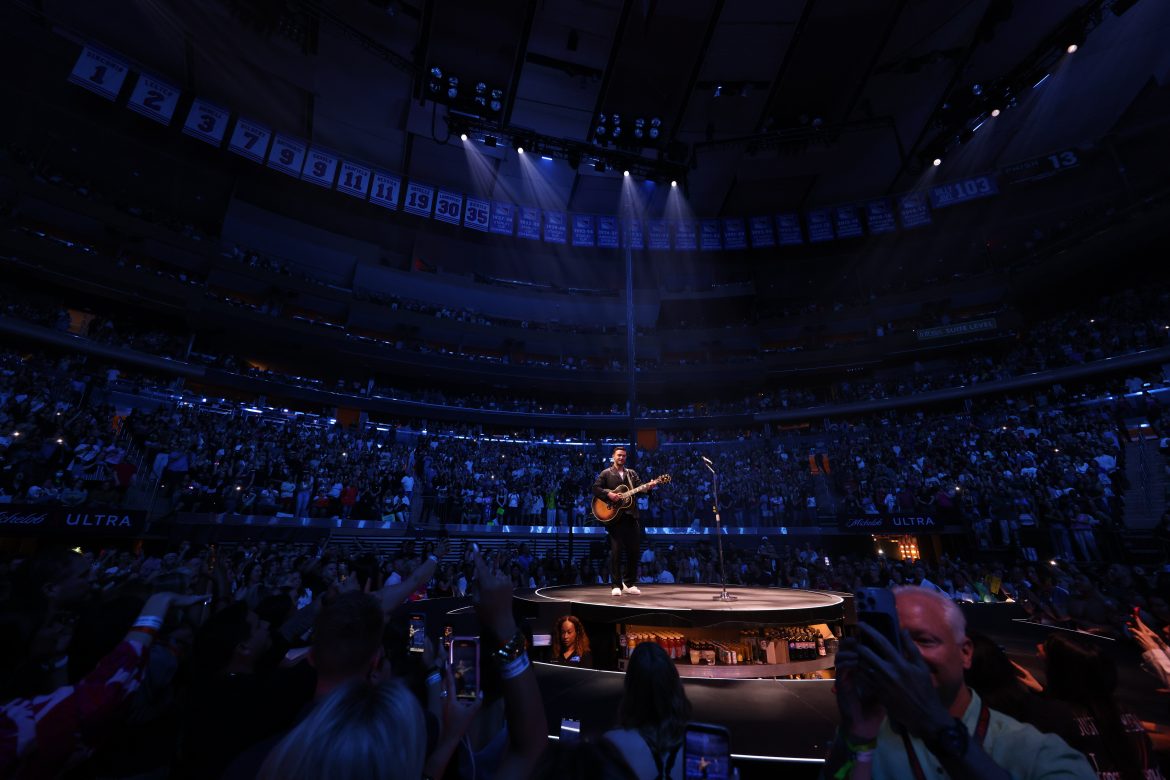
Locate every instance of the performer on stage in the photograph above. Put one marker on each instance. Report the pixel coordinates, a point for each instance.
(625, 533)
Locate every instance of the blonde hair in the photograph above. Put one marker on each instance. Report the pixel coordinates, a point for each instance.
(357, 732)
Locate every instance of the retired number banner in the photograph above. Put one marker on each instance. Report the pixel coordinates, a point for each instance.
(207, 122)
(355, 181)
(250, 139)
(99, 72)
(154, 99)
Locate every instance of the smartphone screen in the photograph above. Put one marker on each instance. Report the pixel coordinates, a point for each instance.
(465, 667)
(418, 634)
(570, 729)
(706, 752)
(877, 609)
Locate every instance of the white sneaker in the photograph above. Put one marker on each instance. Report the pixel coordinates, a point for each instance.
(616, 591)
(632, 590)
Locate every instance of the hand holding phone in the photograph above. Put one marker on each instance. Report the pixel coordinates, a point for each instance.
(706, 752)
(877, 609)
(464, 664)
(417, 642)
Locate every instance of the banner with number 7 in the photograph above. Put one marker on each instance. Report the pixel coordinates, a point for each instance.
(250, 139)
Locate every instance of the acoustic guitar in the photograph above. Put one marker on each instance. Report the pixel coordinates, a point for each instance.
(606, 511)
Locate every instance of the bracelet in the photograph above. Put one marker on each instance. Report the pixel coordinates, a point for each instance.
(515, 667)
(512, 649)
(152, 621)
(434, 678)
(868, 746)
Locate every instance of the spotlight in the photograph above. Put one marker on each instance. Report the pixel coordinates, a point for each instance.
(453, 80)
(480, 88)
(617, 119)
(673, 184)
(1072, 48)
(937, 162)
(480, 100)
(639, 122)
(494, 105)
(653, 132)
(656, 122)
(995, 112)
(617, 131)
(463, 136)
(977, 90)
(637, 132)
(452, 92)
(519, 150)
(436, 72)
(626, 174)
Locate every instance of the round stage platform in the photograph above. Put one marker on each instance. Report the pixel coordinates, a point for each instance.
(690, 604)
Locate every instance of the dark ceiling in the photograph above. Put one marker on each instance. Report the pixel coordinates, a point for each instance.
(771, 105)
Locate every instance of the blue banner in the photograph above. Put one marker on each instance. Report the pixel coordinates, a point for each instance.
(554, 227)
(710, 235)
(848, 223)
(659, 230)
(880, 217)
(761, 229)
(529, 226)
(684, 235)
(734, 234)
(961, 191)
(913, 211)
(632, 232)
(788, 229)
(820, 226)
(583, 230)
(607, 232)
(503, 218)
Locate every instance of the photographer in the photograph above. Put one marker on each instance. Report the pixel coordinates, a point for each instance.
(909, 713)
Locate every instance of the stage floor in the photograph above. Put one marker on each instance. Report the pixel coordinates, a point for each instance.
(680, 597)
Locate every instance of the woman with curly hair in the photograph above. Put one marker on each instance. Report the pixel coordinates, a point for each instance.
(570, 643)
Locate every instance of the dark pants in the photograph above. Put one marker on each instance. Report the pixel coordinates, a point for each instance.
(624, 534)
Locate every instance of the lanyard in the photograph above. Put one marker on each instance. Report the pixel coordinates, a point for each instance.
(912, 754)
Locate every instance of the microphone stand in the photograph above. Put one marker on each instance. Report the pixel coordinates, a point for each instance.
(723, 595)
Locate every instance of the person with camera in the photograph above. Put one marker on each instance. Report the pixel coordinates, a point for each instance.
(906, 711)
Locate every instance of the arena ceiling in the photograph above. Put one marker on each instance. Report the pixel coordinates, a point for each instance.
(764, 105)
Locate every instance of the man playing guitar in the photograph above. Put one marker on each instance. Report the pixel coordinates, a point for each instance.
(624, 530)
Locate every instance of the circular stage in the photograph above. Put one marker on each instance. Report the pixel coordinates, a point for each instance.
(690, 604)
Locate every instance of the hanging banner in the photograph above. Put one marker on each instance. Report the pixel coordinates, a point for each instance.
(250, 139)
(287, 155)
(583, 230)
(685, 235)
(659, 233)
(385, 190)
(419, 199)
(632, 231)
(99, 72)
(154, 99)
(207, 122)
(761, 231)
(820, 226)
(320, 167)
(503, 218)
(847, 221)
(879, 216)
(961, 191)
(788, 230)
(449, 207)
(710, 235)
(913, 211)
(355, 181)
(607, 232)
(477, 214)
(734, 234)
(529, 226)
(554, 227)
